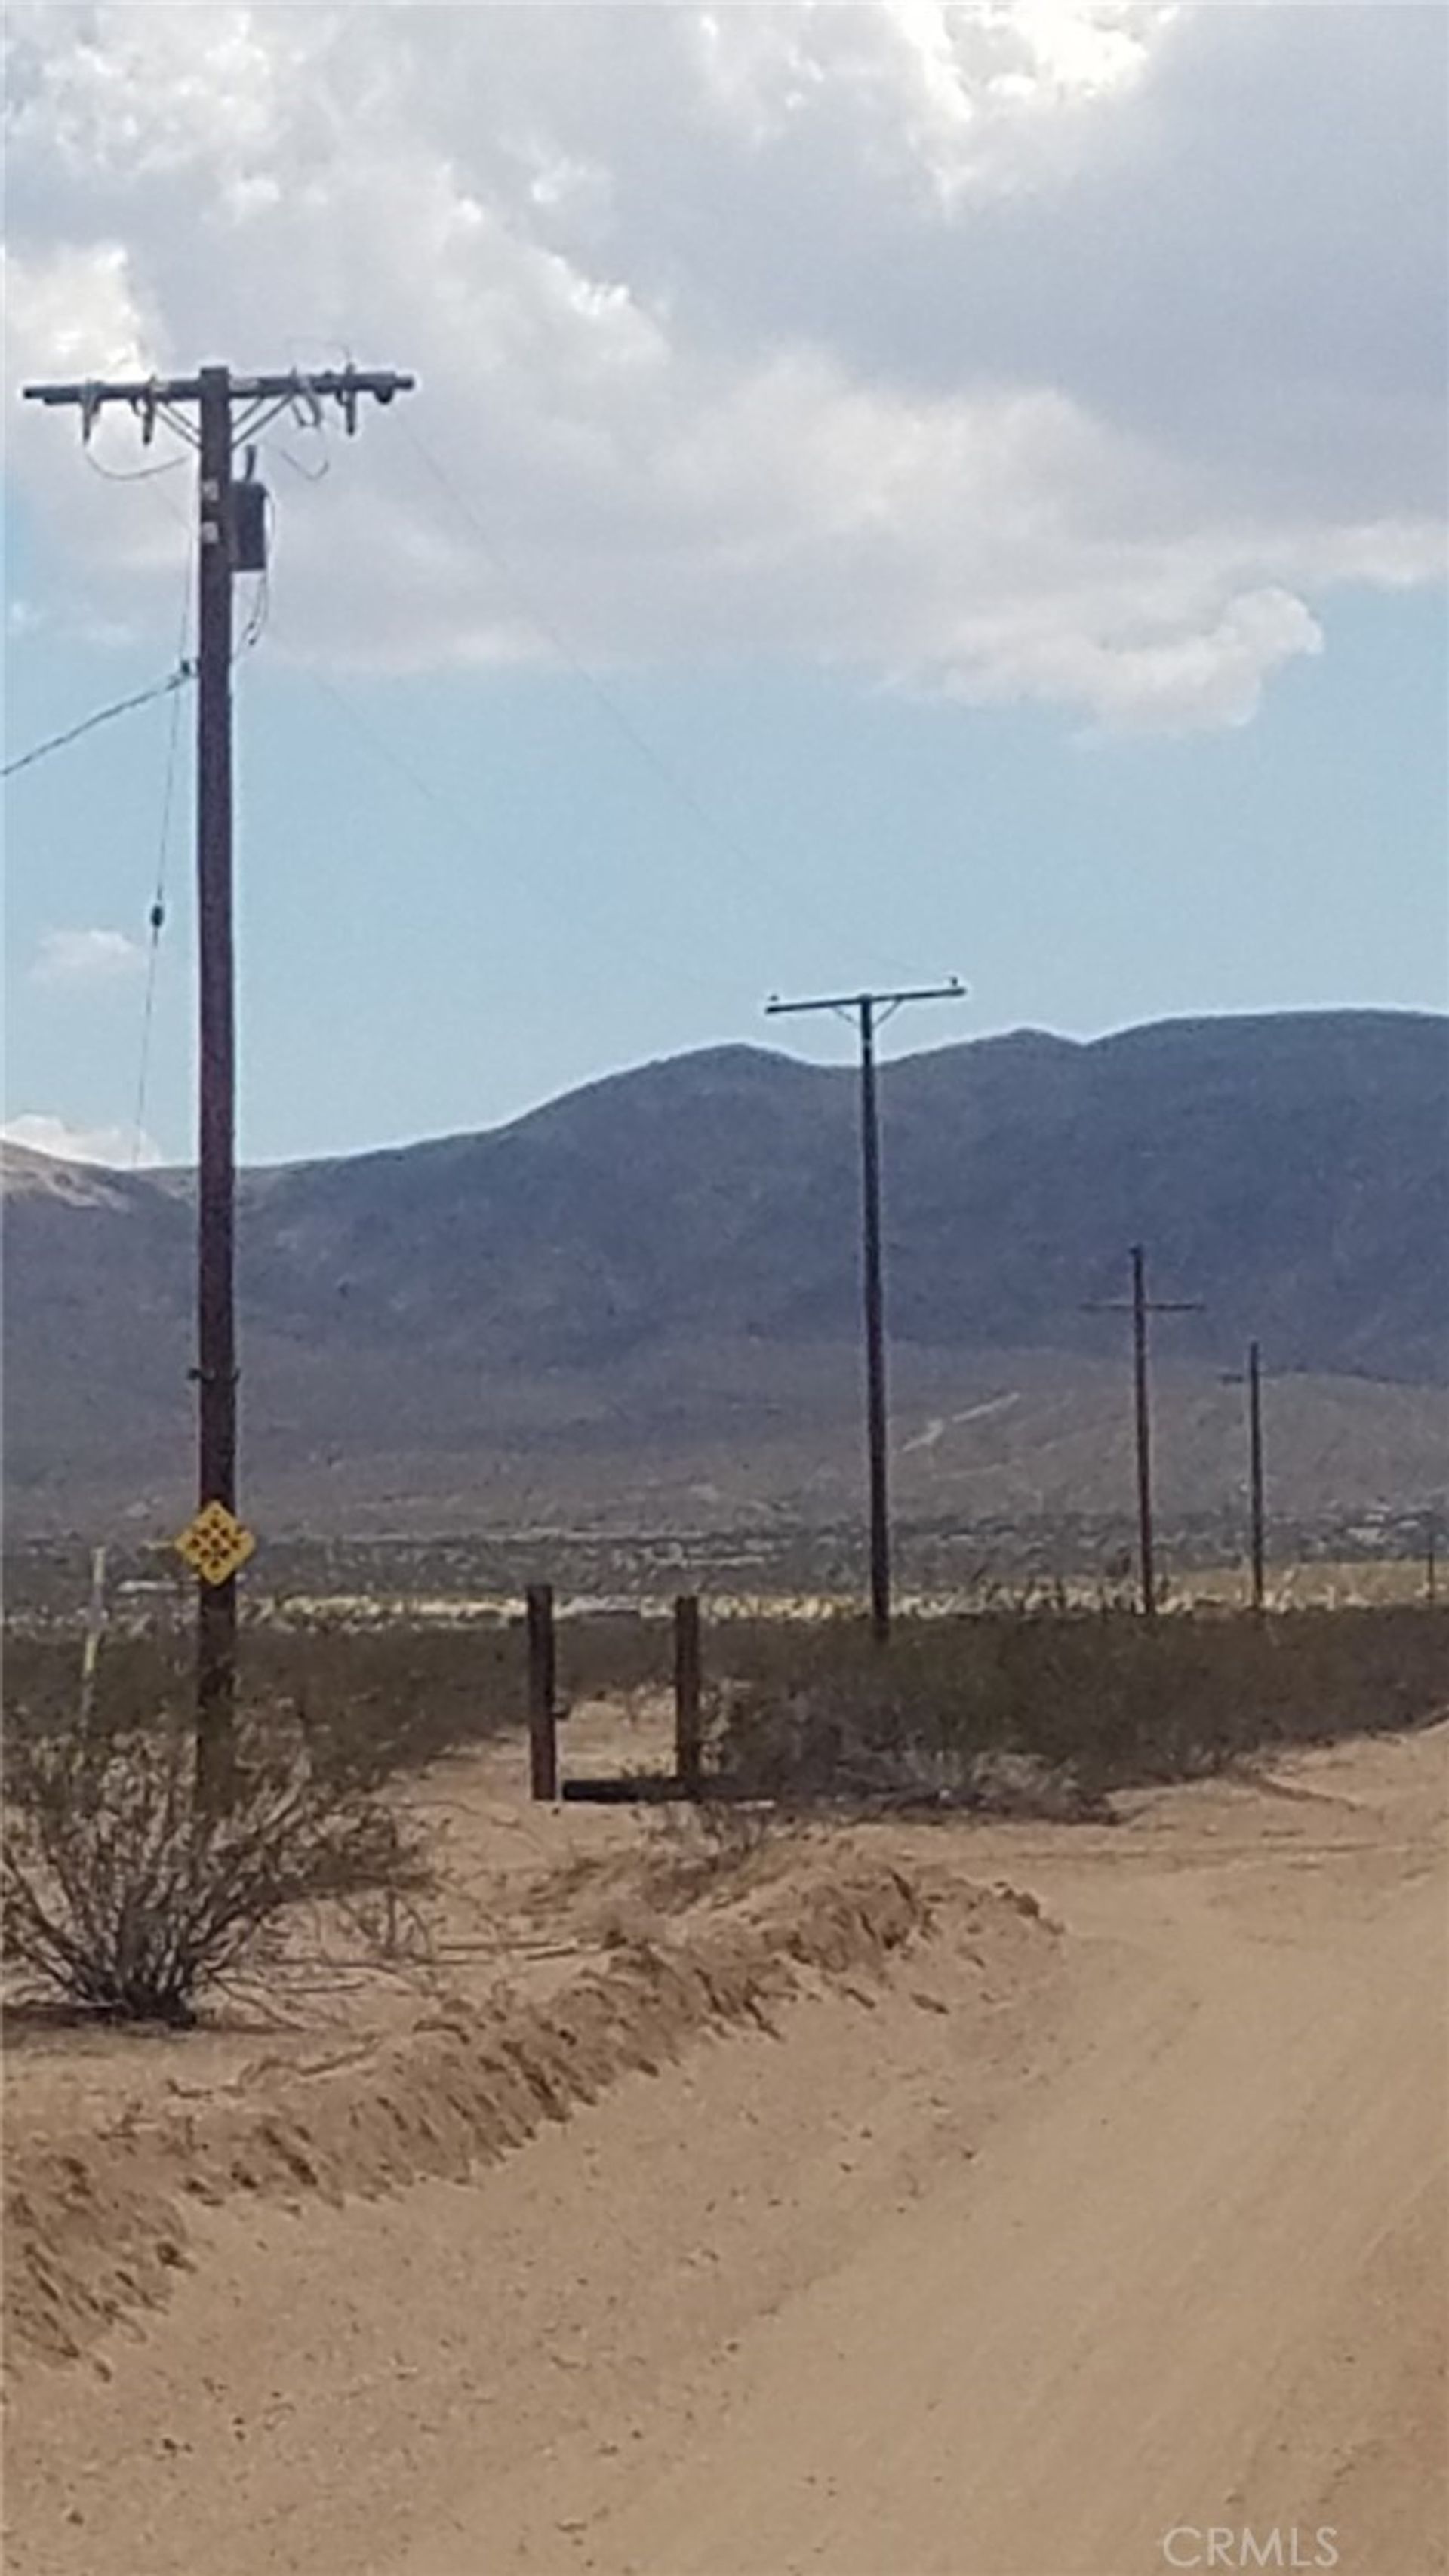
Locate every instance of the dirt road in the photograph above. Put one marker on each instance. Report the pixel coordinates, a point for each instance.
(1054, 2254)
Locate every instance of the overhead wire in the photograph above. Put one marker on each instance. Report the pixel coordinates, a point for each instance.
(156, 918)
(306, 471)
(548, 628)
(624, 724)
(131, 473)
(540, 619)
(388, 752)
(183, 674)
(463, 827)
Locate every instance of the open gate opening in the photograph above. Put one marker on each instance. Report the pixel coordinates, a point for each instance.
(686, 1780)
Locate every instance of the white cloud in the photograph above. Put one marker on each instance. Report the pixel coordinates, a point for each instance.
(116, 1147)
(1190, 674)
(82, 960)
(1060, 349)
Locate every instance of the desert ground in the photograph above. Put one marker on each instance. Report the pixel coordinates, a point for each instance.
(953, 2199)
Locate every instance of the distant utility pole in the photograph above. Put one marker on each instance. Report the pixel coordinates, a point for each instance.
(231, 538)
(870, 1011)
(1256, 1497)
(1139, 1306)
(1253, 1380)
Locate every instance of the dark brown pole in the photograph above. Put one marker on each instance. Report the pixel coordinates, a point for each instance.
(1139, 1306)
(1143, 1409)
(542, 1704)
(216, 1159)
(1255, 1475)
(212, 393)
(688, 1741)
(875, 1355)
(862, 1008)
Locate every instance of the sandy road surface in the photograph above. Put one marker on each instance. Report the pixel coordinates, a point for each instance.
(1042, 2259)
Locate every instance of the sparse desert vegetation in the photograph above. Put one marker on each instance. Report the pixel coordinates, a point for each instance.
(124, 1898)
(723, 1794)
(1081, 1703)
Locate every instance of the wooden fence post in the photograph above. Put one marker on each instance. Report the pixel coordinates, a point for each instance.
(688, 1741)
(542, 1708)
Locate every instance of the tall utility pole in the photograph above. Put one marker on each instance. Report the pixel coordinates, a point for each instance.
(216, 1370)
(870, 1011)
(215, 411)
(1139, 1306)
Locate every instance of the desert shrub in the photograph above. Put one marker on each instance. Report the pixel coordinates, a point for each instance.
(366, 1702)
(1094, 1701)
(122, 1894)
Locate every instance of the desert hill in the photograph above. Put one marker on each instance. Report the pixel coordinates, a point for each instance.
(652, 1282)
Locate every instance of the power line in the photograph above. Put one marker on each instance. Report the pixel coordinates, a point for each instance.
(132, 473)
(672, 963)
(395, 759)
(548, 628)
(553, 634)
(156, 918)
(177, 679)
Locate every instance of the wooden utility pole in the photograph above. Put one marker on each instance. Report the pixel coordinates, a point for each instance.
(215, 411)
(1140, 1306)
(870, 1011)
(216, 1370)
(1252, 1379)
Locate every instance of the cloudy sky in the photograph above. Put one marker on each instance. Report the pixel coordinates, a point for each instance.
(892, 490)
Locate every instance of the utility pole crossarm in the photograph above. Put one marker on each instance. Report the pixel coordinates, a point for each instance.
(152, 393)
(1154, 1306)
(954, 991)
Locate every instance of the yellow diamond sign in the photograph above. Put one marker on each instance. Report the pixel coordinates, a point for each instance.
(215, 1544)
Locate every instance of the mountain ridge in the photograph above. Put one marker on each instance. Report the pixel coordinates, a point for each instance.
(692, 1223)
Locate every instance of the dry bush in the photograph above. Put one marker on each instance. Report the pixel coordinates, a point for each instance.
(1074, 1705)
(123, 1896)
